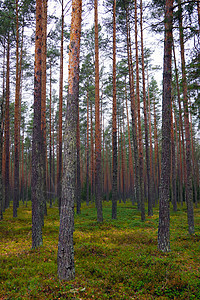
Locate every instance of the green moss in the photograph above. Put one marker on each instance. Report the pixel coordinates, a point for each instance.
(117, 259)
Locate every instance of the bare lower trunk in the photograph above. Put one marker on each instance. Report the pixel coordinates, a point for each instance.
(164, 216)
(66, 269)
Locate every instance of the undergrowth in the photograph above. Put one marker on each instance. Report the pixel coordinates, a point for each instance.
(117, 259)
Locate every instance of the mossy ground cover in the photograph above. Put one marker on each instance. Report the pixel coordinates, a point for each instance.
(117, 259)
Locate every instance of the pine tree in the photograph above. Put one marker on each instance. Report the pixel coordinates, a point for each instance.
(66, 270)
(164, 218)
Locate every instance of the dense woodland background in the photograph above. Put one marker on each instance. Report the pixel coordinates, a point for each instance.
(119, 117)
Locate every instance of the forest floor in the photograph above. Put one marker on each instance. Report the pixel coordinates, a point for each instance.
(117, 259)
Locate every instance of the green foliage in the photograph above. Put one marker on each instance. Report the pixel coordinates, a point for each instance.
(117, 259)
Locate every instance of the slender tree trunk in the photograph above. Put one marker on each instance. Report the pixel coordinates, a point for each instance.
(151, 146)
(156, 155)
(173, 164)
(16, 122)
(133, 112)
(7, 129)
(87, 153)
(92, 151)
(178, 160)
(59, 172)
(150, 205)
(66, 270)
(164, 216)
(36, 180)
(141, 163)
(122, 167)
(50, 141)
(189, 194)
(114, 123)
(2, 204)
(132, 195)
(43, 105)
(22, 169)
(193, 164)
(183, 170)
(53, 153)
(98, 175)
(78, 174)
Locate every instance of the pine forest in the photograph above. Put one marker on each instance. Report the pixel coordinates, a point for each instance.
(99, 149)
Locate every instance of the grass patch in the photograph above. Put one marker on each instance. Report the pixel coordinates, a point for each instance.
(117, 259)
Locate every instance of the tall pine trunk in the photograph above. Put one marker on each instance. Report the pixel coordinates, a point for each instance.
(98, 185)
(78, 167)
(59, 171)
(43, 106)
(37, 147)
(114, 123)
(87, 153)
(16, 122)
(7, 128)
(189, 194)
(149, 196)
(141, 163)
(133, 111)
(66, 269)
(164, 216)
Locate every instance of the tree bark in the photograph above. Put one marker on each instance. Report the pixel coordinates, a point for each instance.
(87, 153)
(141, 163)
(43, 105)
(133, 112)
(173, 164)
(59, 172)
(78, 174)
(189, 200)
(2, 204)
(132, 194)
(181, 134)
(114, 123)
(92, 152)
(149, 196)
(164, 215)
(151, 146)
(66, 269)
(98, 174)
(37, 179)
(7, 129)
(16, 122)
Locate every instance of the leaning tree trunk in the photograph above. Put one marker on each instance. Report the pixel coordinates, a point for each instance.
(66, 270)
(164, 217)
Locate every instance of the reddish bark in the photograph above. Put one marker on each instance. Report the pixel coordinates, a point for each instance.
(98, 173)
(114, 123)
